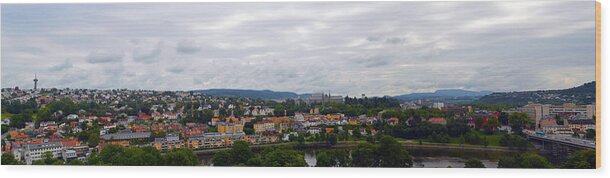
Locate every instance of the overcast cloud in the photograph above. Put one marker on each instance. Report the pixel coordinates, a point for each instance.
(347, 48)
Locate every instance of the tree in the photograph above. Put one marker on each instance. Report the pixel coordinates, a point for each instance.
(256, 161)
(514, 142)
(525, 160)
(503, 118)
(94, 139)
(332, 139)
(508, 162)
(180, 157)
(518, 121)
(4, 129)
(473, 138)
(583, 159)
(532, 160)
(590, 134)
(457, 128)
(392, 154)
(76, 162)
(282, 157)
(240, 152)
(439, 137)
(47, 158)
(324, 160)
(301, 139)
(334, 158)
(365, 155)
(9, 159)
(223, 158)
(143, 156)
(474, 163)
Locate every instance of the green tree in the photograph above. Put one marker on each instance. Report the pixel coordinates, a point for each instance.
(323, 159)
(590, 134)
(392, 154)
(76, 162)
(181, 157)
(256, 161)
(331, 138)
(240, 152)
(517, 121)
(508, 162)
(472, 137)
(9, 159)
(282, 157)
(94, 139)
(474, 163)
(47, 157)
(439, 137)
(532, 160)
(514, 142)
(365, 155)
(223, 158)
(583, 159)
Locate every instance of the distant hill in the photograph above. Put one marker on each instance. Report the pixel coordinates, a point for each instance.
(258, 94)
(584, 94)
(445, 95)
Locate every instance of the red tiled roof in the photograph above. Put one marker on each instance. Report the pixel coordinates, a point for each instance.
(437, 120)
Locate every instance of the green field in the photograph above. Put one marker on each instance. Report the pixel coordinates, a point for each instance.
(6, 115)
(494, 139)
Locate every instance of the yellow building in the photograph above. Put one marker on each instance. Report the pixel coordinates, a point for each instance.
(230, 128)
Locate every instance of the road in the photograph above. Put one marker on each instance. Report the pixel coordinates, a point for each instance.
(563, 139)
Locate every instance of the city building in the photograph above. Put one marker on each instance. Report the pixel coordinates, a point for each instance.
(169, 142)
(581, 125)
(34, 152)
(229, 128)
(126, 136)
(538, 111)
(320, 98)
(557, 130)
(438, 120)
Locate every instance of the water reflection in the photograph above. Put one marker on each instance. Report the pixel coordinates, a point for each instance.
(431, 160)
(419, 162)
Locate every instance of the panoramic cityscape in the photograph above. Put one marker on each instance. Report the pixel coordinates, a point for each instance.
(317, 84)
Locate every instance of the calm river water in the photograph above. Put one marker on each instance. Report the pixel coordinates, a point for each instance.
(421, 158)
(440, 161)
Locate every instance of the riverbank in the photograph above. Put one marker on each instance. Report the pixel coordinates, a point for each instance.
(409, 144)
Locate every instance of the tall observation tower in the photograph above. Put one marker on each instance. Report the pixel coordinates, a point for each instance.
(35, 81)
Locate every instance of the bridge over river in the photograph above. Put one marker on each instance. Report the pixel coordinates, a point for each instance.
(558, 146)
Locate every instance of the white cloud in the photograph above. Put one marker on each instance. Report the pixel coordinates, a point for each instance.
(376, 48)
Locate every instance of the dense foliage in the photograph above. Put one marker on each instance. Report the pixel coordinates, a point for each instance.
(583, 159)
(525, 160)
(474, 163)
(387, 153)
(145, 156)
(276, 156)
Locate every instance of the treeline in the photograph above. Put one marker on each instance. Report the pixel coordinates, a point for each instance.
(115, 155)
(387, 153)
(275, 156)
(584, 94)
(583, 159)
(350, 106)
(55, 110)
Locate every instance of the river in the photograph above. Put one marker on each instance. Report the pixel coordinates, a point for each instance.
(434, 160)
(422, 158)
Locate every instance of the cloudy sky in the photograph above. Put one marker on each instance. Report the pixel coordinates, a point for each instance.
(388, 48)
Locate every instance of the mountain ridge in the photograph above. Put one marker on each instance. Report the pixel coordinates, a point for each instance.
(582, 94)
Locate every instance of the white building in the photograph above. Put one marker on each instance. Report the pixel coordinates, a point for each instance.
(438, 105)
(34, 152)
